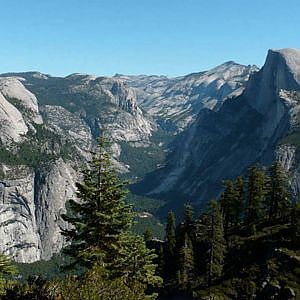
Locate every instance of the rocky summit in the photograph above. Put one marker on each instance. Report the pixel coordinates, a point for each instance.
(48, 128)
(180, 135)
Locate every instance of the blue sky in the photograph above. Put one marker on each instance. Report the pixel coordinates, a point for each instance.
(168, 37)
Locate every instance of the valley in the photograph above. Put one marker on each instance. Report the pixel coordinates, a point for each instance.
(174, 139)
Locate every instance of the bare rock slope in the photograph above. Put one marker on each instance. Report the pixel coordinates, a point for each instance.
(247, 129)
(178, 100)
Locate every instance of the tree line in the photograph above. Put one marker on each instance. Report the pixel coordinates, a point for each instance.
(219, 253)
(197, 253)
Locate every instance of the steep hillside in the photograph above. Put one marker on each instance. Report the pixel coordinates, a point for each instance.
(247, 129)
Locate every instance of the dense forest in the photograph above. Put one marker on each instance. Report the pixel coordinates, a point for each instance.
(245, 245)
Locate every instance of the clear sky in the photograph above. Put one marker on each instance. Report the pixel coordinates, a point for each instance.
(171, 37)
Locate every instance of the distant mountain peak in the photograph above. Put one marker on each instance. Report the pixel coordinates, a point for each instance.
(286, 51)
(291, 58)
(281, 71)
(231, 66)
(80, 76)
(230, 63)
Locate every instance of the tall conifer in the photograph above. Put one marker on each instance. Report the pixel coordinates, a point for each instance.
(171, 234)
(228, 203)
(256, 194)
(100, 214)
(186, 264)
(216, 243)
(169, 253)
(279, 204)
(188, 219)
(240, 199)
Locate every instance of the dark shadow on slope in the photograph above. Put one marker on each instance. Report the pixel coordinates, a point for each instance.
(219, 145)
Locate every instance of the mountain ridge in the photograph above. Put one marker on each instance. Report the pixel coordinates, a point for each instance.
(223, 144)
(213, 124)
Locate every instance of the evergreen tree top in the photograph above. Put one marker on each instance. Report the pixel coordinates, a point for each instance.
(100, 214)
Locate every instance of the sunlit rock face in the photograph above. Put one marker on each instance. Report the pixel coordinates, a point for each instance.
(12, 88)
(18, 228)
(12, 124)
(178, 100)
(31, 204)
(54, 186)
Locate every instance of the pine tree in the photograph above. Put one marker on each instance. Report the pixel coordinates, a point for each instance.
(148, 234)
(100, 214)
(278, 196)
(296, 224)
(188, 219)
(229, 199)
(186, 227)
(256, 194)
(216, 243)
(170, 248)
(202, 234)
(134, 263)
(6, 266)
(161, 268)
(240, 199)
(171, 234)
(186, 272)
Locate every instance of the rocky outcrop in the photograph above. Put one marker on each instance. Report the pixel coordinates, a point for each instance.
(13, 89)
(12, 124)
(18, 110)
(126, 97)
(31, 205)
(18, 226)
(52, 187)
(287, 155)
(264, 89)
(68, 125)
(100, 102)
(123, 118)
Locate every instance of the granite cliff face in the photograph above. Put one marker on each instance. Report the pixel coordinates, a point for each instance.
(98, 101)
(18, 110)
(12, 88)
(31, 204)
(247, 129)
(18, 227)
(12, 124)
(53, 186)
